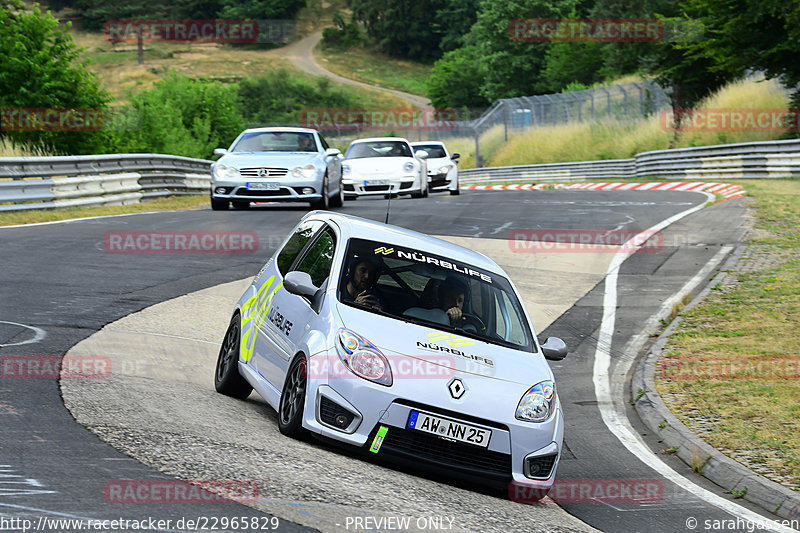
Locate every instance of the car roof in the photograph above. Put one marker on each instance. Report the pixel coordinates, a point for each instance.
(372, 139)
(284, 129)
(353, 226)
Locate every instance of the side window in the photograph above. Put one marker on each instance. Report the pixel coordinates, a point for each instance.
(318, 260)
(296, 243)
(323, 143)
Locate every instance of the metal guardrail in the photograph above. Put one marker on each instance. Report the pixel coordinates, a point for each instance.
(69, 181)
(766, 159)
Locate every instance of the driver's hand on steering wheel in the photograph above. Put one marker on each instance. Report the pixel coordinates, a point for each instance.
(454, 313)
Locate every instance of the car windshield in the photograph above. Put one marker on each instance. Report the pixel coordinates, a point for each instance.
(434, 150)
(434, 291)
(276, 141)
(378, 149)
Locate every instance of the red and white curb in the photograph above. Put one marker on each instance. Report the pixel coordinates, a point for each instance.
(726, 190)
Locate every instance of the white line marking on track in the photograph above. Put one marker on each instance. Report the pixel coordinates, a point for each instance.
(614, 417)
(38, 334)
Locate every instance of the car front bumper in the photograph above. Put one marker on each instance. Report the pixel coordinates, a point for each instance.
(289, 190)
(514, 445)
(361, 186)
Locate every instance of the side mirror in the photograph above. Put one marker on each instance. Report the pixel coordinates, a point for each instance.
(455, 156)
(332, 152)
(553, 348)
(300, 283)
(421, 154)
(220, 151)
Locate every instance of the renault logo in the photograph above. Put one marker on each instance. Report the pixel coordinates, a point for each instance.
(457, 388)
(263, 172)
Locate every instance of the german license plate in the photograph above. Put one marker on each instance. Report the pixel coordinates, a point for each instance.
(377, 182)
(262, 186)
(449, 429)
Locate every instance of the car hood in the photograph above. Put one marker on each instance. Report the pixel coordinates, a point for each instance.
(268, 159)
(396, 338)
(378, 164)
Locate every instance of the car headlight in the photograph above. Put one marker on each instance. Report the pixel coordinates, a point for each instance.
(223, 172)
(363, 358)
(443, 170)
(345, 169)
(307, 171)
(408, 167)
(538, 403)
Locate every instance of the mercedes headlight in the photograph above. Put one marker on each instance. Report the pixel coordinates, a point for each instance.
(308, 171)
(408, 167)
(223, 172)
(538, 403)
(363, 358)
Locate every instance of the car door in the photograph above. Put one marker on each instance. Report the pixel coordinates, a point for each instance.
(290, 316)
(269, 290)
(333, 162)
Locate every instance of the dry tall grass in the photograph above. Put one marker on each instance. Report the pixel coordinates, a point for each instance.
(10, 149)
(617, 140)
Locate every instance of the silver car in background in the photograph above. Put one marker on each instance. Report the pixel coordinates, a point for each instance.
(442, 166)
(384, 166)
(277, 165)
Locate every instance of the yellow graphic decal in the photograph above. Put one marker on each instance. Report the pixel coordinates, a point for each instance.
(383, 250)
(452, 340)
(254, 311)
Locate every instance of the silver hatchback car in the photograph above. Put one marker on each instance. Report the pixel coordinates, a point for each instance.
(277, 164)
(403, 345)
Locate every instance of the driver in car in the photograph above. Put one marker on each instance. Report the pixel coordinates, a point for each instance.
(305, 143)
(360, 288)
(452, 293)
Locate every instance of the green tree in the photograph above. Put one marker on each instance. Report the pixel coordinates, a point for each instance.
(456, 79)
(454, 21)
(40, 68)
(512, 67)
(402, 28)
(742, 35)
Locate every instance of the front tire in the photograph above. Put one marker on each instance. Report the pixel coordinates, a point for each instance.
(338, 199)
(293, 398)
(227, 379)
(219, 205)
(324, 202)
(457, 190)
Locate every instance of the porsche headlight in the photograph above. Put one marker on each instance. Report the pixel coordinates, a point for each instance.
(223, 172)
(443, 170)
(363, 358)
(538, 403)
(345, 169)
(307, 171)
(408, 167)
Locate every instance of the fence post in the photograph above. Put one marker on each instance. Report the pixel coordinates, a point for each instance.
(477, 149)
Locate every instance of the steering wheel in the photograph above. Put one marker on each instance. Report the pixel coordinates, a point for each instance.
(474, 321)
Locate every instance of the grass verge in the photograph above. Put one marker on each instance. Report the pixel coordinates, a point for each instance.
(731, 372)
(51, 215)
(370, 66)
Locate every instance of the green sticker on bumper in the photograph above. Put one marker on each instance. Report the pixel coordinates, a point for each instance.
(378, 440)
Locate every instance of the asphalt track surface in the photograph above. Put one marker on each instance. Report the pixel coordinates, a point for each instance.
(58, 279)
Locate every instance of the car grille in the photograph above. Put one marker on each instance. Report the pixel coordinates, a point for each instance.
(260, 194)
(455, 455)
(270, 172)
(374, 188)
